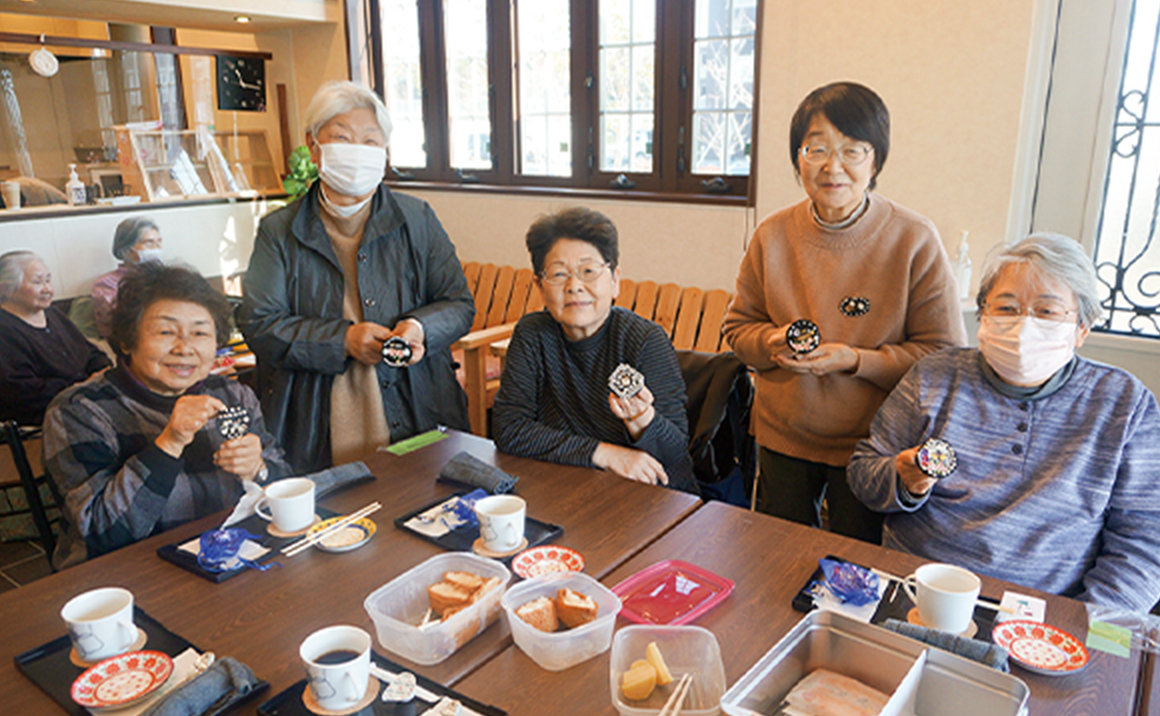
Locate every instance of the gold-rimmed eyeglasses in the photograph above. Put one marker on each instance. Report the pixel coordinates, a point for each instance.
(851, 155)
(586, 272)
(1046, 310)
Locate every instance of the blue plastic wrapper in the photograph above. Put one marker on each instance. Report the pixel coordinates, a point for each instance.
(850, 583)
(218, 550)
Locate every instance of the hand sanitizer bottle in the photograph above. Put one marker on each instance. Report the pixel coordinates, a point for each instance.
(74, 189)
(963, 268)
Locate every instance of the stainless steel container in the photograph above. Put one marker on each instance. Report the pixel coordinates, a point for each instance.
(921, 680)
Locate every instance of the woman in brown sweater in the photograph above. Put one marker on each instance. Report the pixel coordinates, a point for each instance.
(874, 280)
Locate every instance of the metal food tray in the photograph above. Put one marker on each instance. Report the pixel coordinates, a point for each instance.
(922, 681)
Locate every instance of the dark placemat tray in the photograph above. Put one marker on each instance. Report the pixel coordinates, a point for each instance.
(462, 539)
(289, 702)
(252, 524)
(895, 604)
(49, 667)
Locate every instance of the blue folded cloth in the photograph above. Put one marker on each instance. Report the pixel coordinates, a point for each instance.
(470, 470)
(990, 655)
(333, 478)
(211, 692)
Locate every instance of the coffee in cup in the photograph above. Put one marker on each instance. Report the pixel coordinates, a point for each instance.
(945, 596)
(100, 622)
(337, 660)
(291, 504)
(501, 522)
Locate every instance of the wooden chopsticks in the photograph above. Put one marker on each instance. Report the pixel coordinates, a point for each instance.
(677, 699)
(312, 539)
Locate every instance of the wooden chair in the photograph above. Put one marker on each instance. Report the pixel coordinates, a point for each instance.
(14, 436)
(690, 316)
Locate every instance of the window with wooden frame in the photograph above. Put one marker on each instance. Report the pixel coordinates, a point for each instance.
(645, 98)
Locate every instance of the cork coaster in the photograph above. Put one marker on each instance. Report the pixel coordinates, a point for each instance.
(482, 551)
(275, 532)
(76, 660)
(367, 699)
(913, 617)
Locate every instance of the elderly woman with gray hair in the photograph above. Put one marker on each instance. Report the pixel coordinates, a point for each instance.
(41, 351)
(1050, 479)
(137, 240)
(336, 275)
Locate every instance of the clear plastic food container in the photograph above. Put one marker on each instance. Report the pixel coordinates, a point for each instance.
(686, 650)
(398, 607)
(559, 650)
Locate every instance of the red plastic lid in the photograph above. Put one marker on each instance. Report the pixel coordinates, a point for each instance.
(671, 592)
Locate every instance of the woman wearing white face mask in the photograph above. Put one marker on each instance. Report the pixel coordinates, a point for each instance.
(333, 277)
(136, 241)
(1055, 484)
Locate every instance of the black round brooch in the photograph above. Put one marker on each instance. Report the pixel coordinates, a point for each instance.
(854, 306)
(803, 335)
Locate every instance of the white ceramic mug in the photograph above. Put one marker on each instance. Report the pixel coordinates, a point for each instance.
(11, 191)
(946, 596)
(100, 622)
(501, 522)
(291, 503)
(338, 660)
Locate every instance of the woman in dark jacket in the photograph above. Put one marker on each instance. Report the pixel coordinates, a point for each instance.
(337, 274)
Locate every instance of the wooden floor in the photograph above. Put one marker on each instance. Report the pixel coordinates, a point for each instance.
(21, 563)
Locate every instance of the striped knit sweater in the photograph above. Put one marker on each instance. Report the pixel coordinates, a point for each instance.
(119, 487)
(1060, 493)
(553, 399)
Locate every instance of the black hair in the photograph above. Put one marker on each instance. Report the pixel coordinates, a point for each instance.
(855, 110)
(148, 283)
(578, 223)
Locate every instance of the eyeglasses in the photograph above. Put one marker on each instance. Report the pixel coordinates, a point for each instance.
(850, 155)
(559, 275)
(1046, 310)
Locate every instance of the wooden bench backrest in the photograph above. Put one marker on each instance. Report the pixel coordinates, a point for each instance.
(690, 316)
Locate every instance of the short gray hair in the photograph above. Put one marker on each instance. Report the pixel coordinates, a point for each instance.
(129, 232)
(1056, 256)
(339, 97)
(12, 270)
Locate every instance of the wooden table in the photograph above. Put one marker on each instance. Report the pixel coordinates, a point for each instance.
(770, 559)
(260, 618)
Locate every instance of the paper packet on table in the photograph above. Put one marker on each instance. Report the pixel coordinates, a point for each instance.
(447, 516)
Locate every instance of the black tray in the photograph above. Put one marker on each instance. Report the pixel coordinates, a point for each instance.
(289, 702)
(252, 524)
(462, 539)
(895, 604)
(49, 667)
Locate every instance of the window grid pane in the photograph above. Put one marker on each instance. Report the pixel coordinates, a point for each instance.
(402, 71)
(627, 84)
(545, 101)
(1126, 251)
(723, 52)
(468, 98)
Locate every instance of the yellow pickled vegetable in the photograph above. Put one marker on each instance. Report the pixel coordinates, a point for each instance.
(664, 678)
(639, 681)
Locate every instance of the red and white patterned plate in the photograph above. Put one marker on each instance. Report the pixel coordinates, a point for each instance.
(545, 560)
(120, 680)
(1041, 648)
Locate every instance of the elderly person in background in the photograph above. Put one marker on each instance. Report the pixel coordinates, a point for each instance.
(874, 279)
(136, 241)
(336, 274)
(41, 352)
(138, 450)
(554, 401)
(1056, 484)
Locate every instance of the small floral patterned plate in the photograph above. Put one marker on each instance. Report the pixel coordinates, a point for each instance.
(1041, 648)
(545, 560)
(120, 680)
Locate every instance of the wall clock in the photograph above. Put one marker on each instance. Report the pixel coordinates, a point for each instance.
(241, 83)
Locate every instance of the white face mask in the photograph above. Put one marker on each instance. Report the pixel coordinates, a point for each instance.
(1026, 351)
(144, 256)
(352, 169)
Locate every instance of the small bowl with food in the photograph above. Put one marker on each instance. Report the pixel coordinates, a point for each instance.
(562, 618)
(652, 667)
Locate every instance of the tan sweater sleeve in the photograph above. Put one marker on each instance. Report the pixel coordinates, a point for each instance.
(934, 319)
(747, 325)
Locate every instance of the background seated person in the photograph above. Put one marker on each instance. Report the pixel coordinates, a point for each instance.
(1056, 485)
(136, 241)
(554, 402)
(41, 352)
(136, 451)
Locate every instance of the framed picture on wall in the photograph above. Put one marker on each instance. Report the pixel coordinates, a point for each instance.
(241, 83)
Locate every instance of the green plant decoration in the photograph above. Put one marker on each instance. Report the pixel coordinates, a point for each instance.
(302, 174)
